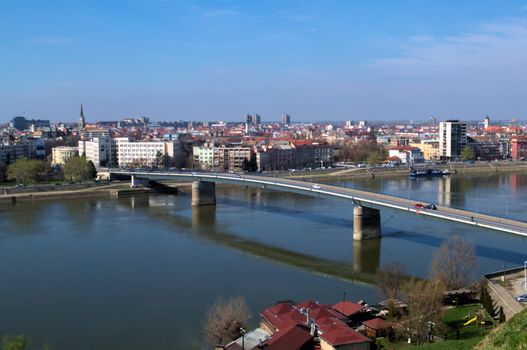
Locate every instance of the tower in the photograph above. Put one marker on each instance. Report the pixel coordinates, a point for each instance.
(82, 122)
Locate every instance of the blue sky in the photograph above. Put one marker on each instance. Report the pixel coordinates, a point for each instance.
(316, 60)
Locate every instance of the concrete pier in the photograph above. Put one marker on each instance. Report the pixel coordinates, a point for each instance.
(138, 182)
(203, 193)
(366, 223)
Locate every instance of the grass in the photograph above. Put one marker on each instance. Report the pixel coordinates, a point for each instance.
(510, 335)
(455, 318)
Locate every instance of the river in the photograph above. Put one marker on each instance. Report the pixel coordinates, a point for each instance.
(139, 272)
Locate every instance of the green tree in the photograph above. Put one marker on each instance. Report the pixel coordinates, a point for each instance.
(15, 342)
(25, 171)
(468, 154)
(77, 169)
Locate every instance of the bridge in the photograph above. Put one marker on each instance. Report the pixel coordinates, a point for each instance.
(367, 205)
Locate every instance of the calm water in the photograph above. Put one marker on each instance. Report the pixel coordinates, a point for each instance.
(140, 272)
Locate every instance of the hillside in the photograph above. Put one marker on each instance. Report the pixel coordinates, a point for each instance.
(510, 335)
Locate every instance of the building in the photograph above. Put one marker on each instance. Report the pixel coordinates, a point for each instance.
(452, 139)
(61, 154)
(248, 119)
(82, 122)
(203, 157)
(11, 152)
(94, 132)
(407, 155)
(256, 119)
(100, 150)
(21, 123)
(286, 119)
(486, 122)
(231, 158)
(519, 148)
(430, 149)
(141, 153)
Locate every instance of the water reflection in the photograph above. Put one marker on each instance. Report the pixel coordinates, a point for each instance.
(366, 255)
(204, 217)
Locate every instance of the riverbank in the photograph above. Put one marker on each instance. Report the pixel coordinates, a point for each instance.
(83, 191)
(458, 168)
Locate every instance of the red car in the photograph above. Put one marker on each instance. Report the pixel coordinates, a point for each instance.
(419, 206)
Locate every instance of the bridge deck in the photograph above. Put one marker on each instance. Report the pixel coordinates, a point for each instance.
(369, 199)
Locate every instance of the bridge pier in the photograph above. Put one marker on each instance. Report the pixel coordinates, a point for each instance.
(366, 223)
(138, 182)
(203, 193)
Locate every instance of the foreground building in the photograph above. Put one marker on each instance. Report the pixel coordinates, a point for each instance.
(306, 326)
(452, 139)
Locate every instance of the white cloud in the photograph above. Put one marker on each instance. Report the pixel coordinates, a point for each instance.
(500, 45)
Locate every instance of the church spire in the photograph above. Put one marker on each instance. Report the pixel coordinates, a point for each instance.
(82, 121)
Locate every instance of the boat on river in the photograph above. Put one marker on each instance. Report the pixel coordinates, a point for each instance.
(429, 172)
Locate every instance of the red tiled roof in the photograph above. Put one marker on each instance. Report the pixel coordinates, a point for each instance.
(347, 308)
(376, 323)
(281, 308)
(308, 304)
(343, 335)
(291, 338)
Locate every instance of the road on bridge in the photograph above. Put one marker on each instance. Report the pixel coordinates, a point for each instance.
(364, 198)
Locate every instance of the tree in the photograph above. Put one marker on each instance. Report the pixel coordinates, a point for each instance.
(454, 263)
(390, 279)
(25, 171)
(468, 153)
(15, 342)
(3, 171)
(77, 169)
(224, 320)
(501, 315)
(425, 305)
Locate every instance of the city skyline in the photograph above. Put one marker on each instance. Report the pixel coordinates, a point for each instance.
(217, 60)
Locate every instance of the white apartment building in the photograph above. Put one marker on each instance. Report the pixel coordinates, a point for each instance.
(203, 156)
(99, 150)
(140, 152)
(452, 138)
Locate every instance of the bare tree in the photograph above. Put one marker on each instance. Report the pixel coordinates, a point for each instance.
(390, 279)
(224, 320)
(454, 263)
(425, 304)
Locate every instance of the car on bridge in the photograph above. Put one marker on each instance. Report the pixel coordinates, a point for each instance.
(431, 207)
(316, 187)
(419, 206)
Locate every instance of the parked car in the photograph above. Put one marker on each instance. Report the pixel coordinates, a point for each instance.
(522, 298)
(431, 206)
(419, 206)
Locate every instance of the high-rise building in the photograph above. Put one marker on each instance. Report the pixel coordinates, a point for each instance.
(82, 122)
(256, 119)
(248, 119)
(286, 119)
(486, 122)
(452, 138)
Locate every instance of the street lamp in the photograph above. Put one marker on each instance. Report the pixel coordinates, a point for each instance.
(243, 331)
